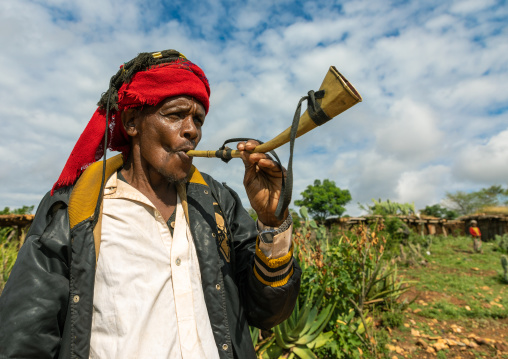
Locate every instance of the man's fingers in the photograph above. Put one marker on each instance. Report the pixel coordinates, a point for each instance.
(271, 168)
(255, 157)
(262, 161)
(250, 145)
(241, 146)
(270, 164)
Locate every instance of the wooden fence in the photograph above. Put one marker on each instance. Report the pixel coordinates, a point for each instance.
(20, 223)
(490, 225)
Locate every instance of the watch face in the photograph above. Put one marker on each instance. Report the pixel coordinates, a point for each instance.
(267, 236)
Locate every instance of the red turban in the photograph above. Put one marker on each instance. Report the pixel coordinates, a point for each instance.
(149, 87)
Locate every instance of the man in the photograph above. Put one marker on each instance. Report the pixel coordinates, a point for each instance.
(474, 231)
(154, 259)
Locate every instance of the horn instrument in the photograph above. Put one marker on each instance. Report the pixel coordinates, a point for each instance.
(339, 95)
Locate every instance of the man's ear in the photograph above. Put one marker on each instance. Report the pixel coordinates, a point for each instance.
(129, 121)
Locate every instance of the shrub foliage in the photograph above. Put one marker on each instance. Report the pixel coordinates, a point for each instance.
(324, 199)
(345, 280)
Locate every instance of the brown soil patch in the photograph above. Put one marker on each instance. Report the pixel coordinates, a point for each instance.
(421, 337)
(472, 338)
(428, 296)
(468, 272)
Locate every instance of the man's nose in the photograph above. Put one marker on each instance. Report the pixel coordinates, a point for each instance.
(189, 129)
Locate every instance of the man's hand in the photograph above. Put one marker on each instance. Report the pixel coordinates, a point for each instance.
(263, 182)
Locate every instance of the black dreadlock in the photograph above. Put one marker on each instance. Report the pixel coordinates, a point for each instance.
(141, 62)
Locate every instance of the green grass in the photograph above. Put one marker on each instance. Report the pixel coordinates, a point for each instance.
(8, 255)
(458, 283)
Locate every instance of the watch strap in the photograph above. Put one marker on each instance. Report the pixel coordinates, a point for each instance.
(268, 233)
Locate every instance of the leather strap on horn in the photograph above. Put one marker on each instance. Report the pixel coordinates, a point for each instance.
(317, 115)
(315, 110)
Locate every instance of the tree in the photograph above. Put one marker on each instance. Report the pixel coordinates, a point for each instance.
(324, 199)
(462, 202)
(495, 195)
(440, 212)
(468, 203)
(22, 210)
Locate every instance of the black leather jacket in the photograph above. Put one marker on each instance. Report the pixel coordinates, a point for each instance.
(46, 306)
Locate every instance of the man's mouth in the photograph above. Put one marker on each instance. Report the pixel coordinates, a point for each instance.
(183, 155)
(182, 152)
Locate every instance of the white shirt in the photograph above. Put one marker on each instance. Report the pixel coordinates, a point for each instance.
(148, 298)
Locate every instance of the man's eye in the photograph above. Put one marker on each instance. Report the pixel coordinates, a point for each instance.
(175, 115)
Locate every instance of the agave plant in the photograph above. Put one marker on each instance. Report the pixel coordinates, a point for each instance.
(388, 287)
(254, 335)
(504, 263)
(302, 331)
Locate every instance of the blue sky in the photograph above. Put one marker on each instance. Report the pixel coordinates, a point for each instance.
(433, 76)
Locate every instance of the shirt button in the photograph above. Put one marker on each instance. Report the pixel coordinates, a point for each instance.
(173, 224)
(75, 299)
(217, 286)
(225, 346)
(178, 261)
(206, 192)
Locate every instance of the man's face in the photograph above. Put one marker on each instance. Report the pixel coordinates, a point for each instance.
(165, 132)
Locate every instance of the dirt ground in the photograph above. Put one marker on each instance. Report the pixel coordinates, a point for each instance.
(422, 337)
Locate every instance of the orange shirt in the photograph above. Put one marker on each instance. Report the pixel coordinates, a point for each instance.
(475, 231)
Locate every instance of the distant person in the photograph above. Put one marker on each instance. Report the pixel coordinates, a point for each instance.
(477, 236)
(155, 259)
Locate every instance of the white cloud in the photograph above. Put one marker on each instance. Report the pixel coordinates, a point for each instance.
(249, 17)
(471, 6)
(484, 163)
(371, 175)
(433, 77)
(478, 94)
(410, 133)
(423, 187)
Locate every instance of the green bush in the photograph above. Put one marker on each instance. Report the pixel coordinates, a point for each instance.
(347, 342)
(440, 212)
(357, 280)
(392, 319)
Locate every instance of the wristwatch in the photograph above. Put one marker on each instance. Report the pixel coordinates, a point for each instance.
(267, 234)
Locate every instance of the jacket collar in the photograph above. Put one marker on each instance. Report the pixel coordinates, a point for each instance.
(84, 195)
